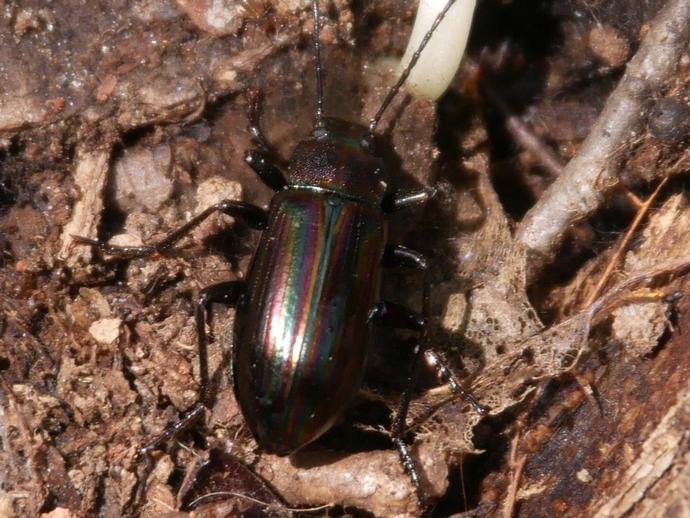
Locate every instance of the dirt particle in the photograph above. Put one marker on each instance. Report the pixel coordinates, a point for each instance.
(217, 17)
(106, 87)
(106, 330)
(59, 512)
(142, 178)
(210, 192)
(584, 476)
(609, 45)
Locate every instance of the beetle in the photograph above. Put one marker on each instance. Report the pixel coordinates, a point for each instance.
(311, 291)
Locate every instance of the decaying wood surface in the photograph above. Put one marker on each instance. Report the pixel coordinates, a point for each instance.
(558, 291)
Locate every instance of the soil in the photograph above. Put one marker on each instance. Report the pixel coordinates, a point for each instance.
(120, 120)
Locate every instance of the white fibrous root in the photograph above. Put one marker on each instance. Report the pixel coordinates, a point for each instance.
(441, 57)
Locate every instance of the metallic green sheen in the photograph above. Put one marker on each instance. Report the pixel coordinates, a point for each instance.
(302, 338)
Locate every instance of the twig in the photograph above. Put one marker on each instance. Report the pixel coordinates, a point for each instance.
(517, 465)
(594, 171)
(588, 390)
(91, 176)
(642, 211)
(462, 483)
(525, 137)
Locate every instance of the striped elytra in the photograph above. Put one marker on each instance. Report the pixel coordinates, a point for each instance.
(302, 336)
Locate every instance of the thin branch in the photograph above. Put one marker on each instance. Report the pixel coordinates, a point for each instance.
(524, 136)
(642, 211)
(591, 174)
(517, 465)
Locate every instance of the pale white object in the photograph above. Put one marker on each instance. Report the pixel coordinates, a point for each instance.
(441, 57)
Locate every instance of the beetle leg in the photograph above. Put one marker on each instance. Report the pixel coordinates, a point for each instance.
(251, 214)
(391, 314)
(262, 165)
(395, 315)
(397, 201)
(227, 293)
(399, 255)
(262, 160)
(435, 360)
(398, 428)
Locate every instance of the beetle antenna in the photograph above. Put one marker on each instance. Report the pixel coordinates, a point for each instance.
(406, 72)
(317, 66)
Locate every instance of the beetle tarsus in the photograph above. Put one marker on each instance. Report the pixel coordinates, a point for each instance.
(187, 418)
(123, 252)
(144, 453)
(411, 470)
(398, 428)
(136, 500)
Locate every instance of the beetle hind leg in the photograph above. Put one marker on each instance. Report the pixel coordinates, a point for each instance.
(398, 429)
(227, 293)
(394, 315)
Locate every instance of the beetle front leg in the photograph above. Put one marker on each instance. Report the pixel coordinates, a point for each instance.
(263, 166)
(227, 293)
(262, 159)
(254, 216)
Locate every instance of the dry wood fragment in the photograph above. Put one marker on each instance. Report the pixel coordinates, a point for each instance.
(90, 175)
(517, 464)
(373, 480)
